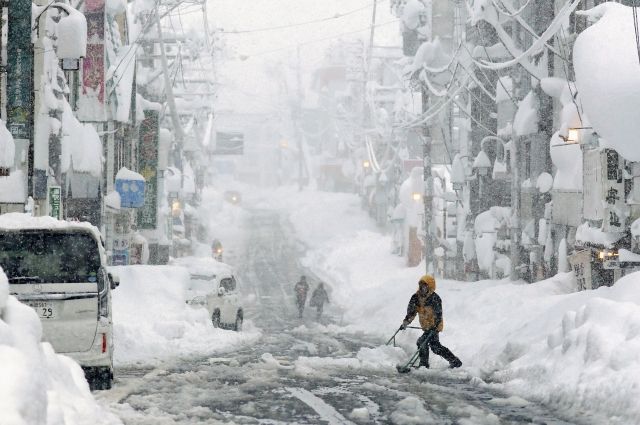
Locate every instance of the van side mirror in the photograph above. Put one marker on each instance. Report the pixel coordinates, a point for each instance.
(114, 279)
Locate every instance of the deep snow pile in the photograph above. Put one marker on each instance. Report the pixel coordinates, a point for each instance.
(577, 351)
(605, 57)
(38, 386)
(153, 323)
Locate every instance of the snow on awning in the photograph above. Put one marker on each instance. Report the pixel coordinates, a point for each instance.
(586, 234)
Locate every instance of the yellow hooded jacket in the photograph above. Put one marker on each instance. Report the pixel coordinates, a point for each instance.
(428, 308)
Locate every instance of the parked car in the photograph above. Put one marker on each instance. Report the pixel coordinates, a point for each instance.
(59, 269)
(213, 285)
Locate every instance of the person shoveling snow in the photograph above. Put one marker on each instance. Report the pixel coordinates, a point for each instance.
(428, 306)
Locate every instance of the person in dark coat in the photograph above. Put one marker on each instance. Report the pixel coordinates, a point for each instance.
(318, 298)
(428, 306)
(301, 289)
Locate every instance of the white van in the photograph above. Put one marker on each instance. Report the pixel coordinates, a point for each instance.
(59, 269)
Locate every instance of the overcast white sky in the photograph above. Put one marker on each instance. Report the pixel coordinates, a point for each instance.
(246, 84)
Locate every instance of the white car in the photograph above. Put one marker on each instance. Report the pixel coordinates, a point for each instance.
(213, 285)
(59, 269)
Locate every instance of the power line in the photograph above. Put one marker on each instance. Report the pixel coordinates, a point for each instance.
(291, 46)
(298, 24)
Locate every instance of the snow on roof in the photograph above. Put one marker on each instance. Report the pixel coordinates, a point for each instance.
(112, 200)
(81, 145)
(7, 147)
(411, 13)
(188, 180)
(115, 7)
(172, 179)
(13, 188)
(458, 171)
(143, 104)
(482, 161)
(567, 158)
(544, 182)
(606, 67)
(526, 120)
(504, 87)
(126, 174)
(431, 56)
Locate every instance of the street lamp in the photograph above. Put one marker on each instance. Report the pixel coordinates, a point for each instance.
(416, 196)
(482, 163)
(366, 164)
(176, 208)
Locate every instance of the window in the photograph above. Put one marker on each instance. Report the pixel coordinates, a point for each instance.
(229, 284)
(48, 256)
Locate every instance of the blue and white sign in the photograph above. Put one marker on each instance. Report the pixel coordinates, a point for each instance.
(131, 193)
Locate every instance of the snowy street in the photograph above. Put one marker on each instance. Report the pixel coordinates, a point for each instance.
(301, 371)
(274, 211)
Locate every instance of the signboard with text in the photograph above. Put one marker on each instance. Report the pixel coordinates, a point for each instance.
(148, 167)
(55, 201)
(19, 76)
(91, 101)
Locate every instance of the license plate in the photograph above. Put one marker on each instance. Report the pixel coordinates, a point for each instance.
(45, 309)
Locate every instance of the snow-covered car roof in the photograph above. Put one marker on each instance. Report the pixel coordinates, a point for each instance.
(17, 221)
(203, 266)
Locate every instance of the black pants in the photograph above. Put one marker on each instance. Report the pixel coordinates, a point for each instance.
(433, 342)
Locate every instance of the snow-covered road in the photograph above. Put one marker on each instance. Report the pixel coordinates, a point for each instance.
(301, 371)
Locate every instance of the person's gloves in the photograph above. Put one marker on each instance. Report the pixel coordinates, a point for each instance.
(404, 325)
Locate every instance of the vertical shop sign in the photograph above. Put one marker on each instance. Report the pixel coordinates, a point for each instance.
(91, 99)
(148, 167)
(55, 199)
(19, 70)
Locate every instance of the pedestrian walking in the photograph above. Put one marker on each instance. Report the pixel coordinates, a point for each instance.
(428, 306)
(301, 289)
(318, 298)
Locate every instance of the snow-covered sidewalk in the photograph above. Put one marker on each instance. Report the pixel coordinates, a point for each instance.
(575, 351)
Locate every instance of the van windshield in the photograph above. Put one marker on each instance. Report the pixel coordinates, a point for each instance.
(47, 256)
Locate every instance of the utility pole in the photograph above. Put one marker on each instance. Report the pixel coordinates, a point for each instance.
(371, 35)
(298, 117)
(175, 120)
(20, 86)
(428, 183)
(515, 212)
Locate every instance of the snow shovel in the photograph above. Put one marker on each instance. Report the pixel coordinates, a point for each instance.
(406, 368)
(393, 337)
